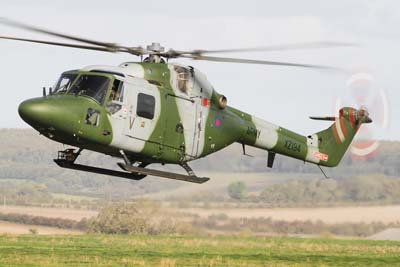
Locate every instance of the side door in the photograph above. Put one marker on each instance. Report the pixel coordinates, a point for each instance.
(142, 111)
(183, 125)
(117, 110)
(93, 125)
(199, 125)
(175, 130)
(116, 104)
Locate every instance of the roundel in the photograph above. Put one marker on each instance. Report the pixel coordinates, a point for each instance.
(217, 122)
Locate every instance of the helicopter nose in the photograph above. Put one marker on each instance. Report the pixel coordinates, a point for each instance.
(35, 112)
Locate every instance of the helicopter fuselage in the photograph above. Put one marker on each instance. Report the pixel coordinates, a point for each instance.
(153, 112)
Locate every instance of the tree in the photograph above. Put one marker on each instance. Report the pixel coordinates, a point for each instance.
(140, 217)
(237, 190)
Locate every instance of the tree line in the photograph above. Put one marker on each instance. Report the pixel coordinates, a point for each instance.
(149, 217)
(375, 189)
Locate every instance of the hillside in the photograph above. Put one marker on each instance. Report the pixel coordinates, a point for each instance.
(28, 156)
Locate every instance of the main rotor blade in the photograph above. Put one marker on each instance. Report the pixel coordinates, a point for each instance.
(111, 47)
(261, 62)
(312, 45)
(58, 44)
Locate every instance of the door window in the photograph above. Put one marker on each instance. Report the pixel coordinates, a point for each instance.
(145, 106)
(117, 91)
(116, 97)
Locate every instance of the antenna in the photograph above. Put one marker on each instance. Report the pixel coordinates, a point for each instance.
(319, 166)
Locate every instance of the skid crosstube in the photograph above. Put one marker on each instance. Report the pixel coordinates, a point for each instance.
(70, 165)
(164, 174)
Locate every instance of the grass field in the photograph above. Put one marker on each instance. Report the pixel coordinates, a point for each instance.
(102, 250)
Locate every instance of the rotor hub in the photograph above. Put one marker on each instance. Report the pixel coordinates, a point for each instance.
(155, 47)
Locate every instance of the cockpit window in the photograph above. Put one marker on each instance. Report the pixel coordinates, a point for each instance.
(64, 83)
(92, 86)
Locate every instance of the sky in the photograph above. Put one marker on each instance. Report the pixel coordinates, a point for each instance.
(282, 95)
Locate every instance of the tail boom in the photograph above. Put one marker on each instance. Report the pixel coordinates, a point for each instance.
(324, 148)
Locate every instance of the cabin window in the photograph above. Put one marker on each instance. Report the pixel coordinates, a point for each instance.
(146, 106)
(183, 78)
(92, 86)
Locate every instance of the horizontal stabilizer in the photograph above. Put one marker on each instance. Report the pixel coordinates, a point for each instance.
(323, 118)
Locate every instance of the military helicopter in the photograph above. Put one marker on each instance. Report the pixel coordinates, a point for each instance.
(153, 111)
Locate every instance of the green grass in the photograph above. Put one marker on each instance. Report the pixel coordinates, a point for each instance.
(140, 250)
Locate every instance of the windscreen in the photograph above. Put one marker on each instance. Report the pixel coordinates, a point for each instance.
(64, 83)
(92, 86)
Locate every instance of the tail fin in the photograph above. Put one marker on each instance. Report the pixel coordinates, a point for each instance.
(334, 141)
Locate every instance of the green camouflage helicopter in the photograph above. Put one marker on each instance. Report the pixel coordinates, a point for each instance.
(157, 112)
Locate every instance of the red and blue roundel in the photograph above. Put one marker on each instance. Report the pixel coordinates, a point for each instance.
(217, 122)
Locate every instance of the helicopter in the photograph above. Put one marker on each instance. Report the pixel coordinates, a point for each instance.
(156, 112)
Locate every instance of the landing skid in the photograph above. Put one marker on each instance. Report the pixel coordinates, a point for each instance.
(164, 174)
(70, 165)
(67, 158)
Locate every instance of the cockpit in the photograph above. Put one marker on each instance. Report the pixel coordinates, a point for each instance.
(92, 85)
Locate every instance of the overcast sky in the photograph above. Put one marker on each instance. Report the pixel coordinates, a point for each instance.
(282, 95)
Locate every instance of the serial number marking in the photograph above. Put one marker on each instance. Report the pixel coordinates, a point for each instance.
(253, 132)
(292, 146)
